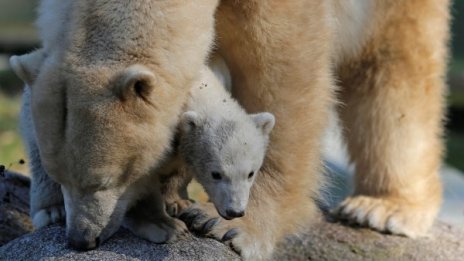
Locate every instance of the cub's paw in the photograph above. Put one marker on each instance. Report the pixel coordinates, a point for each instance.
(173, 230)
(175, 208)
(202, 219)
(166, 231)
(387, 215)
(48, 216)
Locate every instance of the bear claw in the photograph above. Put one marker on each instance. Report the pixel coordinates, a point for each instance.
(229, 235)
(386, 215)
(209, 225)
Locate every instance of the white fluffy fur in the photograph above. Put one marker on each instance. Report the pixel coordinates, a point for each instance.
(351, 22)
(216, 125)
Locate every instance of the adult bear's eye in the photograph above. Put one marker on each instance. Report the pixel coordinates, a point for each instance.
(216, 175)
(251, 174)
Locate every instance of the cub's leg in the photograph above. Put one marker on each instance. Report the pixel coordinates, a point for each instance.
(279, 58)
(148, 219)
(392, 112)
(46, 199)
(174, 181)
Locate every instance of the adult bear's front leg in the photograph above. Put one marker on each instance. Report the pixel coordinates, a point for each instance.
(279, 56)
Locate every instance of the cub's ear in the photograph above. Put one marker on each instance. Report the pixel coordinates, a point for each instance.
(189, 121)
(135, 81)
(264, 121)
(27, 66)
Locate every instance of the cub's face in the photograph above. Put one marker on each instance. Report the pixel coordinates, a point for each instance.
(101, 131)
(225, 157)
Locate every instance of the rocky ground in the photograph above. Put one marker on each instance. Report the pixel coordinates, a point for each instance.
(326, 240)
(14, 207)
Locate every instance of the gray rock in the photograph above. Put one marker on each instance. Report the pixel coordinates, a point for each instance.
(334, 241)
(50, 244)
(14, 206)
(325, 240)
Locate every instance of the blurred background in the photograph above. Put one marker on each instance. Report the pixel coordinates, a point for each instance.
(18, 36)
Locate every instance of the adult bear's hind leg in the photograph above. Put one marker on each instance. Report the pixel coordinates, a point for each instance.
(279, 57)
(392, 114)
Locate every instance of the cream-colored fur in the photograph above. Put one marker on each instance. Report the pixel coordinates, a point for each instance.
(393, 115)
(104, 107)
(352, 26)
(389, 58)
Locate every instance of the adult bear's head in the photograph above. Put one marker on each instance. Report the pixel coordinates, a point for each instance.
(105, 103)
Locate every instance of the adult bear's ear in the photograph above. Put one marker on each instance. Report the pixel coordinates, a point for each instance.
(189, 121)
(264, 121)
(136, 81)
(27, 66)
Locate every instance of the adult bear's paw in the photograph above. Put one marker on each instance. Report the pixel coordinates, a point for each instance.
(48, 216)
(394, 216)
(203, 220)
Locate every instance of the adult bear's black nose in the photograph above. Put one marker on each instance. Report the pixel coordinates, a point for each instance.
(81, 244)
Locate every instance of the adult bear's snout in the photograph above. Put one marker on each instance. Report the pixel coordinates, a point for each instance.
(82, 243)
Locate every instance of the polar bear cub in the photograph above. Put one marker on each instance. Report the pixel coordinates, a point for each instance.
(221, 145)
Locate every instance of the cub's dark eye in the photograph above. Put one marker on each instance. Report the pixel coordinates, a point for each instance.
(216, 175)
(139, 88)
(251, 174)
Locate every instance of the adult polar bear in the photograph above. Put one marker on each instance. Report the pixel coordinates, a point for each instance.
(106, 91)
(285, 57)
(389, 58)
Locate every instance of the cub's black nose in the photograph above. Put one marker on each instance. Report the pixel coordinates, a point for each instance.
(234, 214)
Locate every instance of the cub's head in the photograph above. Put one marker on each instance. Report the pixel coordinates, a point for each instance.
(225, 156)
